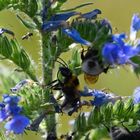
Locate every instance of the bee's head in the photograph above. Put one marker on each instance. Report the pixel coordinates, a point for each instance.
(66, 72)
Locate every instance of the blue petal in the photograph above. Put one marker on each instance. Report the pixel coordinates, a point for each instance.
(110, 52)
(13, 109)
(44, 13)
(119, 38)
(72, 33)
(135, 24)
(17, 124)
(2, 105)
(63, 16)
(11, 99)
(101, 98)
(136, 95)
(3, 115)
(91, 15)
(53, 25)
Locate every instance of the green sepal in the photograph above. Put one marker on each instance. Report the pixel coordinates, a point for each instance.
(95, 118)
(32, 99)
(16, 50)
(128, 108)
(106, 111)
(118, 109)
(80, 123)
(24, 60)
(136, 60)
(5, 47)
(136, 111)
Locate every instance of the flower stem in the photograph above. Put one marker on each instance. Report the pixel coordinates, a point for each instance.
(47, 67)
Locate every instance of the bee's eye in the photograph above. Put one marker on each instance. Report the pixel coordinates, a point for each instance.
(65, 71)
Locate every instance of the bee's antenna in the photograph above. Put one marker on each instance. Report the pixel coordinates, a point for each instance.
(61, 63)
(64, 63)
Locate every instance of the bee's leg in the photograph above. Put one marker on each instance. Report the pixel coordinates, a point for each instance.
(106, 69)
(82, 53)
(64, 103)
(55, 85)
(75, 106)
(51, 83)
(74, 109)
(56, 105)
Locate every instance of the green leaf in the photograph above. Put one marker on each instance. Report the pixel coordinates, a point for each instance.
(30, 7)
(13, 51)
(26, 23)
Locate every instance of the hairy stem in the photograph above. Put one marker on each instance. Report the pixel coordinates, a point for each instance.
(47, 68)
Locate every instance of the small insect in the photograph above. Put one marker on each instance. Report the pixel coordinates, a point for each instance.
(92, 66)
(69, 85)
(120, 133)
(26, 36)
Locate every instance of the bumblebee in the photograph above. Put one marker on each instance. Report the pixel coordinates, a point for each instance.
(69, 85)
(92, 65)
(26, 36)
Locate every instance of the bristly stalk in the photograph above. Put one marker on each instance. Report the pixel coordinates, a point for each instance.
(47, 67)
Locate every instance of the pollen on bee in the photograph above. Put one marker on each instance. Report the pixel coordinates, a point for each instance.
(91, 79)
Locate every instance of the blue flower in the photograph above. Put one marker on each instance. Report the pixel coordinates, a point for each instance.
(118, 52)
(9, 109)
(101, 98)
(17, 124)
(53, 25)
(136, 95)
(57, 21)
(72, 33)
(91, 15)
(135, 26)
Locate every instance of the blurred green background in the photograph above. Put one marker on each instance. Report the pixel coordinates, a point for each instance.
(118, 12)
